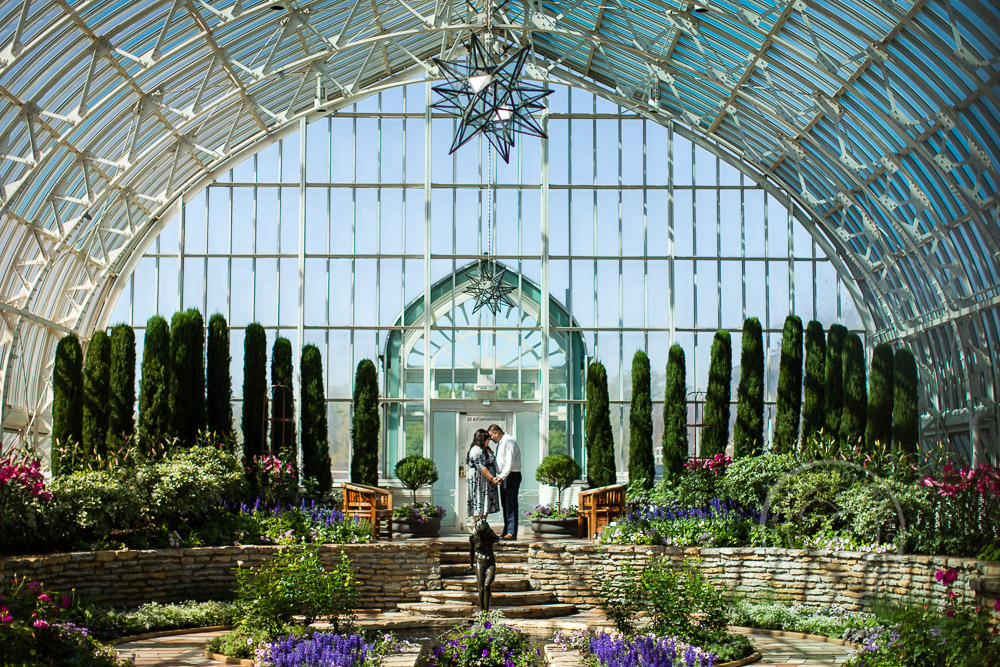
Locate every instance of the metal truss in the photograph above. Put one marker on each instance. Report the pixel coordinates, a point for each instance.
(879, 119)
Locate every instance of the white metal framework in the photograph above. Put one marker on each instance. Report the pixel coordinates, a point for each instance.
(878, 118)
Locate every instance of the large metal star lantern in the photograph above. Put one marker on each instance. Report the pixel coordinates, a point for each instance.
(489, 97)
(488, 287)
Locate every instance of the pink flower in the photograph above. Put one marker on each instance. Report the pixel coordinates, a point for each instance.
(950, 613)
(996, 607)
(41, 624)
(65, 602)
(34, 587)
(939, 575)
(44, 597)
(950, 576)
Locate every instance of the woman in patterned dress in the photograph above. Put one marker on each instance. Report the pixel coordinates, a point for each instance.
(483, 497)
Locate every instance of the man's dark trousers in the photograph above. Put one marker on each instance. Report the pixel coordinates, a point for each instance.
(508, 499)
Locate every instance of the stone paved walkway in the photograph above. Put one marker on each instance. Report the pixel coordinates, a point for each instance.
(186, 650)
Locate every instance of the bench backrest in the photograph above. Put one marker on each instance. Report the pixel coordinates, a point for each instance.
(611, 497)
(361, 496)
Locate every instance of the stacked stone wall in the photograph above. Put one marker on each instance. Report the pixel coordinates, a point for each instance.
(818, 578)
(387, 574)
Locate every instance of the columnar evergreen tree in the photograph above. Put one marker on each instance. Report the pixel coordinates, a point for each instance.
(121, 419)
(282, 402)
(365, 425)
(833, 387)
(786, 428)
(720, 380)
(218, 380)
(748, 434)
(67, 403)
(813, 417)
(187, 376)
(905, 409)
(315, 439)
(254, 386)
(640, 444)
(601, 469)
(880, 398)
(854, 418)
(675, 435)
(154, 384)
(96, 373)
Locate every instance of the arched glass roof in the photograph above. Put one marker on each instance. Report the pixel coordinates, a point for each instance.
(879, 119)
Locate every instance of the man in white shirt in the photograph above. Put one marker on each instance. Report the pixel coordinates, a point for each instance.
(509, 478)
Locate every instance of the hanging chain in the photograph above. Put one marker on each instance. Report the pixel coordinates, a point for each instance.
(491, 175)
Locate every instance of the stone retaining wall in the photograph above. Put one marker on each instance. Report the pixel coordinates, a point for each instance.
(571, 572)
(387, 574)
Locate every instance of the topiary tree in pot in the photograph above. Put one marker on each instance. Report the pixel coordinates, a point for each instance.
(560, 471)
(421, 518)
(416, 472)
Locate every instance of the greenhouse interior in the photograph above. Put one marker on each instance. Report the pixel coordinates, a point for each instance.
(500, 333)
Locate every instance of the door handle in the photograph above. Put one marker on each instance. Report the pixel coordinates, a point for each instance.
(461, 471)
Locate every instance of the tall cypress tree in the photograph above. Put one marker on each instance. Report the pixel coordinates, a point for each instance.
(833, 386)
(315, 438)
(813, 417)
(905, 409)
(601, 470)
(748, 434)
(121, 416)
(67, 403)
(717, 396)
(640, 443)
(880, 398)
(154, 384)
(786, 428)
(365, 425)
(675, 435)
(187, 376)
(96, 373)
(218, 380)
(254, 386)
(282, 402)
(854, 418)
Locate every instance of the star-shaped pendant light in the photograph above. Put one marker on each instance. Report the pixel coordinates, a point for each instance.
(490, 97)
(488, 287)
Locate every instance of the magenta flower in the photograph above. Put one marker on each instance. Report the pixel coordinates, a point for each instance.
(65, 602)
(41, 623)
(996, 607)
(950, 576)
(34, 587)
(44, 597)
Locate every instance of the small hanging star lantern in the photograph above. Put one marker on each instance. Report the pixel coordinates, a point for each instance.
(488, 287)
(489, 97)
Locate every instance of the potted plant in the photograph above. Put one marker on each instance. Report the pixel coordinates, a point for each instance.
(560, 471)
(420, 519)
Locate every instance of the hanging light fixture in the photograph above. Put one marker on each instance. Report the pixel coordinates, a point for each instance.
(486, 93)
(487, 286)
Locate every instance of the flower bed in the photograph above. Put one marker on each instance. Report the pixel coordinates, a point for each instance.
(327, 649)
(487, 643)
(721, 523)
(419, 512)
(552, 511)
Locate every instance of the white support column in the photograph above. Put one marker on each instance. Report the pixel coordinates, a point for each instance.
(427, 271)
(300, 315)
(543, 372)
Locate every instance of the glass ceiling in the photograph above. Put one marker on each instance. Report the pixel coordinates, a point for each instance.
(879, 118)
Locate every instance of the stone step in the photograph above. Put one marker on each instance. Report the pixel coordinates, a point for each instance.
(450, 557)
(456, 570)
(500, 584)
(507, 598)
(467, 610)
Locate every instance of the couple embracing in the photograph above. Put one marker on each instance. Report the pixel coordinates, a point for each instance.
(490, 473)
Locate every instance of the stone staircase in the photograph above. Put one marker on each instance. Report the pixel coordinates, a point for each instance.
(512, 592)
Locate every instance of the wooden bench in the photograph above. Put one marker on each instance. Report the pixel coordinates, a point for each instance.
(597, 507)
(371, 503)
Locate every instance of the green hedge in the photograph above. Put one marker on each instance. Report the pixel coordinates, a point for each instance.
(67, 403)
(601, 470)
(365, 425)
(880, 398)
(833, 387)
(641, 465)
(283, 402)
(854, 418)
(254, 386)
(786, 427)
(96, 375)
(675, 435)
(187, 376)
(813, 416)
(748, 434)
(218, 381)
(315, 438)
(121, 414)
(720, 379)
(154, 385)
(905, 407)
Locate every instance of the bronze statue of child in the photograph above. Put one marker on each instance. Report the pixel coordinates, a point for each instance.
(483, 560)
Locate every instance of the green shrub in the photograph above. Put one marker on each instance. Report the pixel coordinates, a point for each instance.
(254, 386)
(680, 598)
(190, 485)
(813, 419)
(96, 396)
(750, 479)
(315, 439)
(283, 443)
(560, 471)
(90, 506)
(218, 381)
(720, 378)
(365, 426)
(853, 420)
(187, 376)
(833, 386)
(601, 469)
(154, 385)
(415, 472)
(748, 434)
(121, 386)
(621, 596)
(880, 396)
(295, 583)
(873, 507)
(905, 408)
(786, 428)
(153, 617)
(67, 403)
(675, 435)
(641, 466)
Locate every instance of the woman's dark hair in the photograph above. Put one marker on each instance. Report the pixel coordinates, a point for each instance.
(479, 438)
